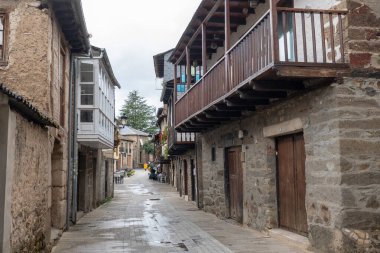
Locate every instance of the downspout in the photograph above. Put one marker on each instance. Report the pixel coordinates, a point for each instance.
(70, 147)
(74, 145)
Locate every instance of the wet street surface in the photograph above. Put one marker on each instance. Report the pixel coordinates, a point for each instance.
(148, 216)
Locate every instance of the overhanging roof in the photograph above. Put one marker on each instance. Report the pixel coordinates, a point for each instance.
(69, 14)
(167, 91)
(103, 53)
(26, 109)
(159, 63)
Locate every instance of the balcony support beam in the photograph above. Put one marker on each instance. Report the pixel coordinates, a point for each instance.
(188, 69)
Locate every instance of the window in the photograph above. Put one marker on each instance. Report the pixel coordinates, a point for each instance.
(2, 36)
(213, 154)
(86, 116)
(87, 94)
(86, 72)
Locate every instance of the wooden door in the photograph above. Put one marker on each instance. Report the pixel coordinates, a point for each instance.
(292, 183)
(192, 166)
(185, 177)
(235, 183)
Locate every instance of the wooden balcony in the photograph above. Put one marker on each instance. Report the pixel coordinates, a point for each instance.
(287, 50)
(179, 143)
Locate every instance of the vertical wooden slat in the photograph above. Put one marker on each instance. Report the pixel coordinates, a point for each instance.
(341, 37)
(295, 37)
(304, 37)
(284, 31)
(313, 37)
(227, 33)
(323, 37)
(332, 43)
(270, 43)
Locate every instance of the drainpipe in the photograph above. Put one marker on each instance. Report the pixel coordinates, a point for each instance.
(73, 143)
(70, 147)
(196, 168)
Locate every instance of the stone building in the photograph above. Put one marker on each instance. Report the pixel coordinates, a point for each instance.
(95, 107)
(284, 97)
(132, 154)
(37, 40)
(181, 170)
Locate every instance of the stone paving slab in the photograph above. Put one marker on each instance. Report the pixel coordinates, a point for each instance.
(147, 216)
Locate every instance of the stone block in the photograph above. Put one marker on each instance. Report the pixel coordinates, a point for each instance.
(358, 219)
(59, 178)
(362, 178)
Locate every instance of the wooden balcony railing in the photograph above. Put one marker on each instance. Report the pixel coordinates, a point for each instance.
(286, 36)
(176, 138)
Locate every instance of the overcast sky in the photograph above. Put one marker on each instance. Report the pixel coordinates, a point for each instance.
(132, 32)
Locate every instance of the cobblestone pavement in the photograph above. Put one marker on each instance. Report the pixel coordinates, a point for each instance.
(147, 216)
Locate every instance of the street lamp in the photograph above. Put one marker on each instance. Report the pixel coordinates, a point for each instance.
(123, 120)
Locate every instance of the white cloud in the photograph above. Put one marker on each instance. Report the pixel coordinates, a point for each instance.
(132, 32)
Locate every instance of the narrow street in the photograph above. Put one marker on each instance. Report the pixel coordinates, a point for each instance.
(148, 216)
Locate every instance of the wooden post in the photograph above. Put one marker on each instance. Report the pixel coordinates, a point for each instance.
(227, 44)
(227, 24)
(188, 69)
(174, 95)
(204, 49)
(274, 33)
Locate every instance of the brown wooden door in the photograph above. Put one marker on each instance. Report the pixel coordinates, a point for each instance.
(235, 183)
(292, 183)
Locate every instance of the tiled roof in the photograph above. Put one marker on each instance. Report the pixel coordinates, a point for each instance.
(126, 130)
(26, 109)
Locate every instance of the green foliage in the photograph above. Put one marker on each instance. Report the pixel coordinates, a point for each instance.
(164, 137)
(130, 173)
(166, 152)
(148, 147)
(140, 115)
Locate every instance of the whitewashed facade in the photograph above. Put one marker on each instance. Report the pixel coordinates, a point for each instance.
(96, 100)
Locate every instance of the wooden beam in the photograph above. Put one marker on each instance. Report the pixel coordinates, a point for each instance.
(249, 94)
(223, 115)
(193, 37)
(227, 24)
(280, 85)
(244, 103)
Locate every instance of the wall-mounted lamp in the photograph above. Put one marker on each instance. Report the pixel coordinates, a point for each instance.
(253, 3)
(214, 45)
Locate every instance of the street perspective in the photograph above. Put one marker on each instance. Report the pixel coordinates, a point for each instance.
(206, 126)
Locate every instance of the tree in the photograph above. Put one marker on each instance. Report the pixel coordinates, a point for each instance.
(148, 147)
(141, 116)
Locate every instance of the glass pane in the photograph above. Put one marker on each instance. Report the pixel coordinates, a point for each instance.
(87, 77)
(86, 67)
(87, 100)
(87, 89)
(86, 116)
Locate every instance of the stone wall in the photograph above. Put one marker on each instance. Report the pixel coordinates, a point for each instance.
(340, 125)
(30, 190)
(36, 70)
(364, 37)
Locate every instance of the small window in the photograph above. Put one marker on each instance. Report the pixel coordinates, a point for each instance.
(2, 36)
(86, 73)
(86, 116)
(87, 94)
(213, 154)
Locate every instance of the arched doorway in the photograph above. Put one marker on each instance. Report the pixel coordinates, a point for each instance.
(185, 178)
